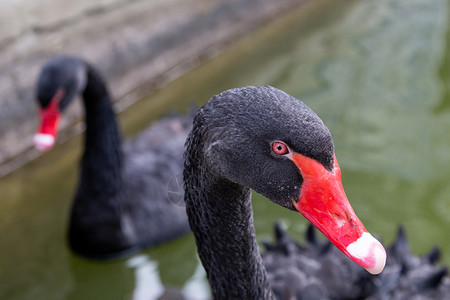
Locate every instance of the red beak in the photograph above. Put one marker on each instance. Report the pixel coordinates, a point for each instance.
(324, 203)
(45, 137)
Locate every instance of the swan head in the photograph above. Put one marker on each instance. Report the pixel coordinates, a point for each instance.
(271, 142)
(60, 80)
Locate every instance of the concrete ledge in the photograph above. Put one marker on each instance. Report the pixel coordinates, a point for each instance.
(138, 45)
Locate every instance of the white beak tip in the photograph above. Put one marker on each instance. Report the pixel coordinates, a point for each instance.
(380, 261)
(43, 141)
(369, 253)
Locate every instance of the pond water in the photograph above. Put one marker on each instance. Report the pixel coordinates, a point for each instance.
(376, 72)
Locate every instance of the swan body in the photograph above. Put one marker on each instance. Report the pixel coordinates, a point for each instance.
(121, 203)
(316, 270)
(263, 139)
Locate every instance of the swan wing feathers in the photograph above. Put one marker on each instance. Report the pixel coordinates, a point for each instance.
(307, 270)
(152, 159)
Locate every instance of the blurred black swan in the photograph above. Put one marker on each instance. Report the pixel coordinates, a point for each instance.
(121, 203)
(262, 138)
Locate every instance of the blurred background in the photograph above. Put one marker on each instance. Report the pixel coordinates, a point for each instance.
(376, 72)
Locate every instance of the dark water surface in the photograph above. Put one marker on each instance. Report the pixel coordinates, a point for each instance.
(376, 72)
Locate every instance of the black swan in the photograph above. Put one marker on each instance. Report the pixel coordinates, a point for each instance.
(263, 139)
(121, 204)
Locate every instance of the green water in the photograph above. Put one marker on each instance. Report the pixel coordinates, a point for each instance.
(376, 72)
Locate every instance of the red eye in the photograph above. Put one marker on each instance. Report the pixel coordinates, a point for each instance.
(280, 148)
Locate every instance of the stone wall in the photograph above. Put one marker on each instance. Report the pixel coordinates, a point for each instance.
(138, 45)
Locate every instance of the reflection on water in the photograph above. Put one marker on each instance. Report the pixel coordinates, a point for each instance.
(196, 287)
(376, 72)
(148, 285)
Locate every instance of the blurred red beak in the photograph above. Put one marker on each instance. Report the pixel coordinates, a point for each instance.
(45, 137)
(324, 203)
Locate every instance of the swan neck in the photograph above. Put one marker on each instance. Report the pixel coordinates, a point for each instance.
(220, 215)
(102, 158)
